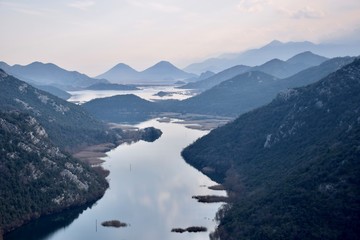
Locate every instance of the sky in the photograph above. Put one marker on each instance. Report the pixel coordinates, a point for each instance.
(91, 36)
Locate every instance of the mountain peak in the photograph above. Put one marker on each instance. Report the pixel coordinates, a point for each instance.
(306, 58)
(166, 64)
(274, 43)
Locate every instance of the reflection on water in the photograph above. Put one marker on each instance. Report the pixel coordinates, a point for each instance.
(44, 228)
(146, 92)
(150, 188)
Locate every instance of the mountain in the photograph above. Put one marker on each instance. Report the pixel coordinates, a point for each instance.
(217, 78)
(275, 67)
(161, 73)
(292, 166)
(274, 49)
(307, 59)
(164, 71)
(239, 94)
(121, 73)
(68, 125)
(54, 91)
(37, 178)
(122, 108)
(250, 90)
(111, 86)
(49, 74)
(284, 69)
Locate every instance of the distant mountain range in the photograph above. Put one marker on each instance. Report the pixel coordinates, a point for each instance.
(161, 73)
(42, 74)
(274, 67)
(230, 98)
(291, 167)
(275, 49)
(250, 90)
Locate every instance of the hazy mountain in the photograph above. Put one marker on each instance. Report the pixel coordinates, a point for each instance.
(275, 49)
(252, 89)
(307, 59)
(313, 74)
(49, 74)
(239, 94)
(121, 73)
(161, 73)
(283, 69)
(217, 78)
(111, 86)
(275, 67)
(291, 167)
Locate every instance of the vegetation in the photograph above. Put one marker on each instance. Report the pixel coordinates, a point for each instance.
(291, 167)
(112, 86)
(189, 229)
(69, 126)
(113, 223)
(36, 177)
(122, 108)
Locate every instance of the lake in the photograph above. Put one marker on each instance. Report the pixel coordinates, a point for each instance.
(145, 92)
(150, 189)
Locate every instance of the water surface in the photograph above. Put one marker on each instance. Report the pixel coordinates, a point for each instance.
(150, 188)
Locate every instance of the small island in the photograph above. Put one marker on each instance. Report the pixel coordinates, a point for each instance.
(211, 199)
(114, 223)
(189, 229)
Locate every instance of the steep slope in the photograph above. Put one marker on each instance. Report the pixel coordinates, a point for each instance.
(54, 91)
(292, 166)
(37, 178)
(68, 125)
(49, 74)
(229, 98)
(121, 73)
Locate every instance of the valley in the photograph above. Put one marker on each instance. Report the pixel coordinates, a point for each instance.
(267, 151)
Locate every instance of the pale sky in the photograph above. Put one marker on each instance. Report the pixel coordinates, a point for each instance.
(91, 36)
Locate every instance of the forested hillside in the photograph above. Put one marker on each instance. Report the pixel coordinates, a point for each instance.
(36, 177)
(68, 125)
(291, 167)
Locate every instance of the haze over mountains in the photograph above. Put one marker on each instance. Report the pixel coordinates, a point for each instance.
(274, 67)
(50, 74)
(275, 49)
(229, 98)
(160, 73)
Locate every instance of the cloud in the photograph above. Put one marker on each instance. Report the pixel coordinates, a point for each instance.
(81, 5)
(307, 13)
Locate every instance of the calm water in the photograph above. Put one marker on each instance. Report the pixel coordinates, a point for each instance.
(150, 188)
(146, 92)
